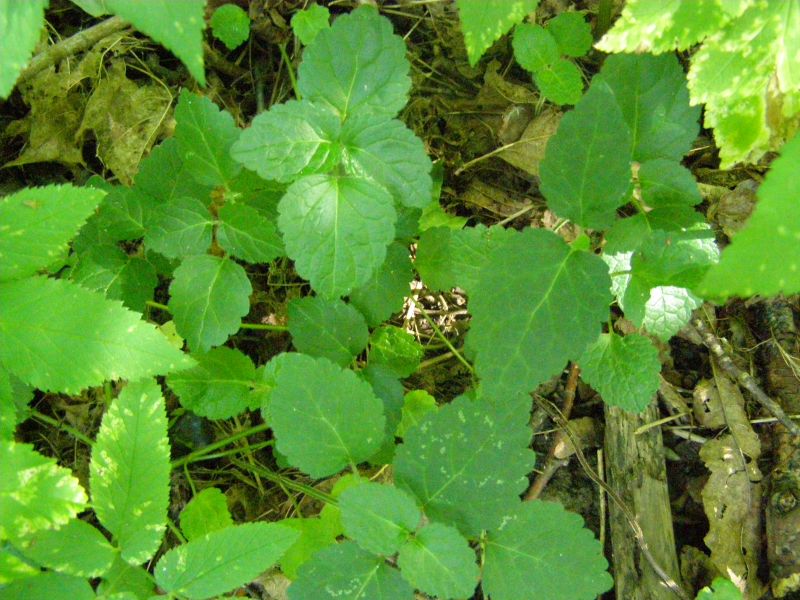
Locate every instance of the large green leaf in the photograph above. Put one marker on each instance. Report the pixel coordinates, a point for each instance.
(44, 320)
(13, 567)
(346, 572)
(555, 307)
(468, 462)
(764, 258)
(129, 470)
(179, 228)
(289, 140)
(623, 369)
(379, 518)
(439, 562)
(357, 66)
(37, 223)
(383, 295)
(208, 298)
(324, 417)
(527, 553)
(315, 533)
(76, 548)
(327, 328)
(35, 493)
(219, 386)
(205, 134)
(48, 585)
(20, 28)
(483, 23)
(178, 26)
(222, 560)
(389, 153)
(336, 229)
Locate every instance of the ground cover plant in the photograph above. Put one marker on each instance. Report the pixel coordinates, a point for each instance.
(227, 338)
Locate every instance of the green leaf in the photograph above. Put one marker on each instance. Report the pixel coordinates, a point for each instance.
(346, 572)
(379, 518)
(44, 320)
(76, 548)
(37, 223)
(178, 26)
(559, 302)
(388, 388)
(308, 22)
(47, 586)
(165, 176)
(439, 562)
(561, 82)
(231, 25)
(763, 258)
(383, 295)
(180, 228)
(720, 589)
(534, 47)
(21, 25)
(483, 23)
(14, 399)
(13, 568)
(122, 215)
(336, 229)
(129, 470)
(327, 328)
(207, 511)
(572, 33)
(107, 269)
(208, 298)
(389, 153)
(587, 170)
(315, 534)
(676, 258)
(468, 462)
(324, 418)
(417, 404)
(357, 66)
(289, 140)
(668, 184)
(219, 386)
(205, 135)
(222, 560)
(396, 349)
(126, 578)
(247, 234)
(527, 553)
(624, 370)
(35, 493)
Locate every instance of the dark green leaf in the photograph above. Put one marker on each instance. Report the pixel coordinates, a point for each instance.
(164, 176)
(383, 295)
(179, 229)
(248, 234)
(668, 184)
(327, 328)
(395, 349)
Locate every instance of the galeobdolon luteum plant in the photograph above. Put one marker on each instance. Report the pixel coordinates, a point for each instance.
(337, 183)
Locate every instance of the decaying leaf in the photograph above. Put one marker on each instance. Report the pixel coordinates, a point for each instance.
(528, 151)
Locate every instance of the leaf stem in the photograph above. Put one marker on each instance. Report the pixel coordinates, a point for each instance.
(63, 427)
(202, 452)
(442, 337)
(286, 481)
(258, 326)
(287, 61)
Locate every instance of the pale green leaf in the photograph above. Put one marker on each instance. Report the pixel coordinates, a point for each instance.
(346, 572)
(534, 47)
(231, 25)
(129, 470)
(720, 589)
(219, 386)
(327, 328)
(37, 223)
(527, 553)
(178, 26)
(44, 320)
(308, 22)
(76, 548)
(384, 293)
(47, 586)
(764, 258)
(560, 300)
(21, 25)
(35, 493)
(667, 309)
(439, 562)
(205, 134)
(324, 417)
(13, 568)
(357, 66)
(222, 560)
(208, 298)
(248, 234)
(396, 349)
(388, 152)
(416, 405)
(468, 462)
(207, 511)
(572, 33)
(561, 82)
(624, 370)
(107, 269)
(14, 399)
(379, 518)
(289, 140)
(179, 228)
(336, 229)
(315, 534)
(594, 137)
(483, 23)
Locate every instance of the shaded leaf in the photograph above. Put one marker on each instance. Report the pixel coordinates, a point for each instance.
(327, 328)
(109, 270)
(384, 293)
(395, 349)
